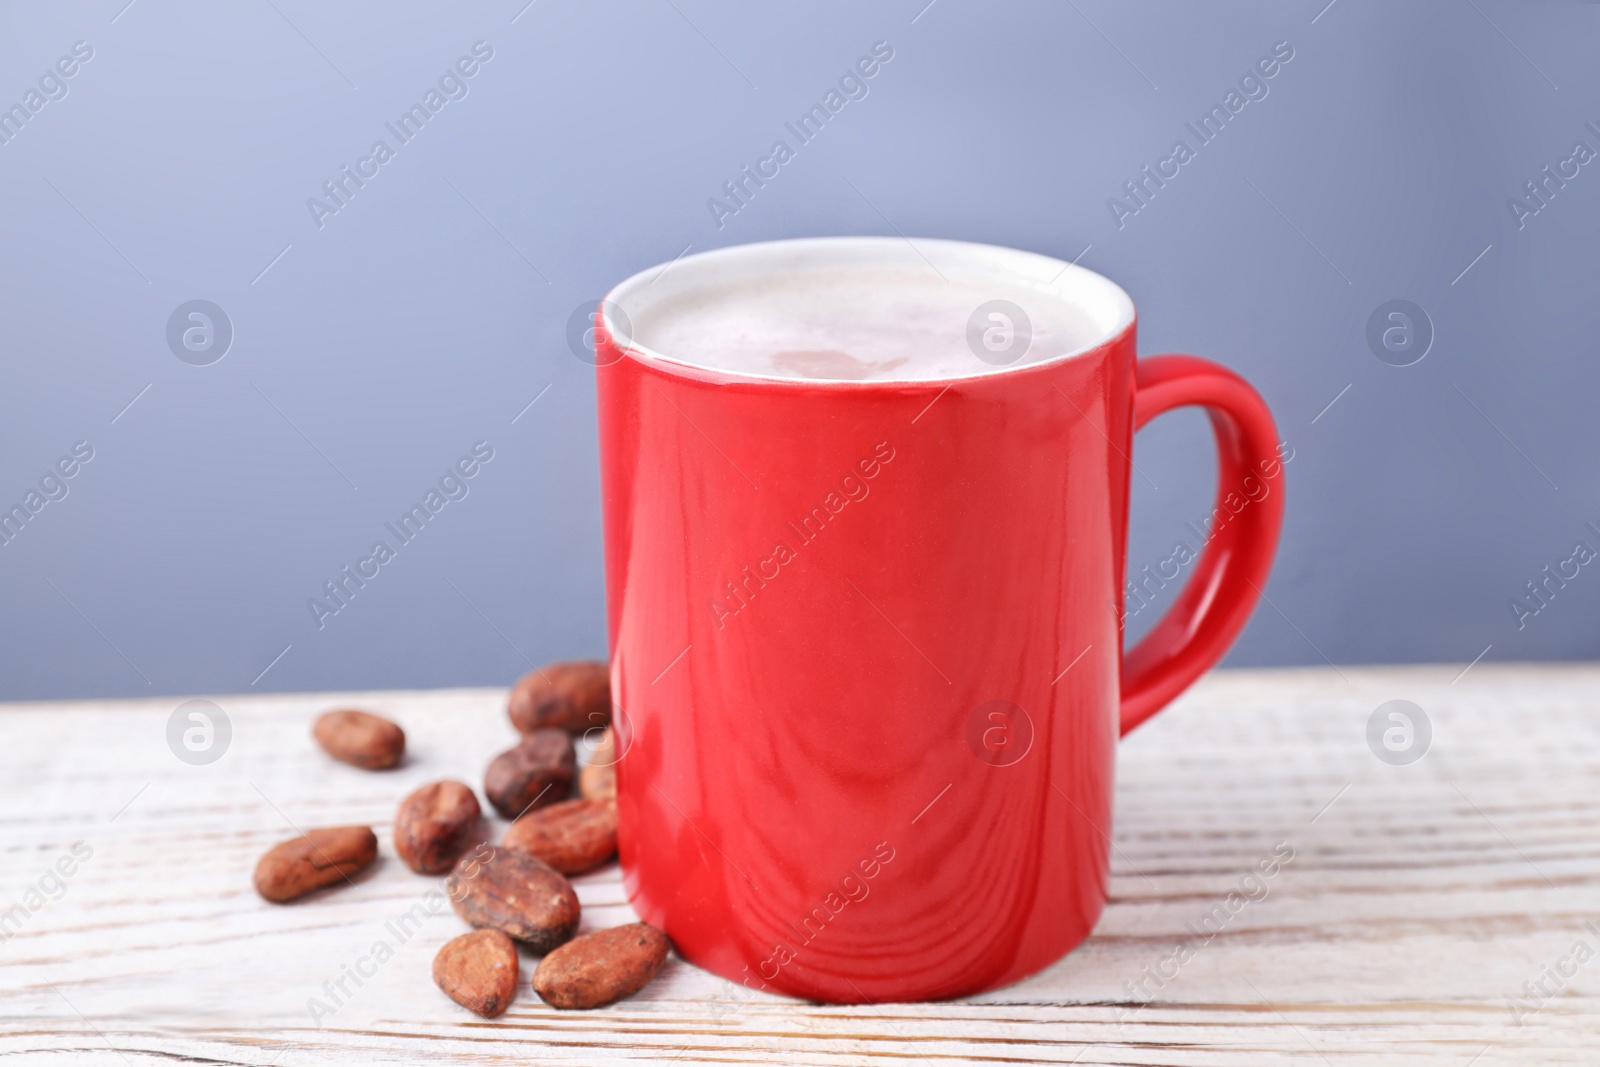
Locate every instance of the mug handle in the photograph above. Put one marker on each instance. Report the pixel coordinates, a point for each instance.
(1217, 600)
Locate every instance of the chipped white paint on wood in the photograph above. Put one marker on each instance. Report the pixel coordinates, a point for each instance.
(1418, 901)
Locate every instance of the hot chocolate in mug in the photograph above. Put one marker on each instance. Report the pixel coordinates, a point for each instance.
(865, 505)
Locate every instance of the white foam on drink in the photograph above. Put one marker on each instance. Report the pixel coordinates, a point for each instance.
(880, 322)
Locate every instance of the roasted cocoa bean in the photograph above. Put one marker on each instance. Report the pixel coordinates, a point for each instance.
(435, 824)
(601, 967)
(360, 738)
(535, 773)
(478, 971)
(320, 858)
(573, 696)
(517, 893)
(573, 836)
(598, 778)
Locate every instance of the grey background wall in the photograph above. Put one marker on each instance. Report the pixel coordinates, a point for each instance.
(370, 351)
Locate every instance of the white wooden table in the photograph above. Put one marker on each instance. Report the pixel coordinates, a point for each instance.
(1418, 902)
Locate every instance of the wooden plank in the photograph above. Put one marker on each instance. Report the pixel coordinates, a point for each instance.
(1409, 907)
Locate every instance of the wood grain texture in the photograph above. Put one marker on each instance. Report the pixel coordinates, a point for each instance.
(1418, 900)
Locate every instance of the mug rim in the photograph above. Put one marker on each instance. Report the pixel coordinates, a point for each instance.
(1101, 299)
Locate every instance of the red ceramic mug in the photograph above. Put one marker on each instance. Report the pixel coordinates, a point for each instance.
(865, 635)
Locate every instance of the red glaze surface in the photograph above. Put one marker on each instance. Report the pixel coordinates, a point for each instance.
(816, 796)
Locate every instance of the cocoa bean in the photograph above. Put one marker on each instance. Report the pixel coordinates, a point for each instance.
(601, 967)
(598, 778)
(360, 738)
(478, 971)
(517, 893)
(572, 696)
(573, 836)
(535, 773)
(320, 858)
(435, 824)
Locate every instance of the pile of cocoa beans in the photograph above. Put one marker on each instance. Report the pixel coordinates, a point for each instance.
(515, 893)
